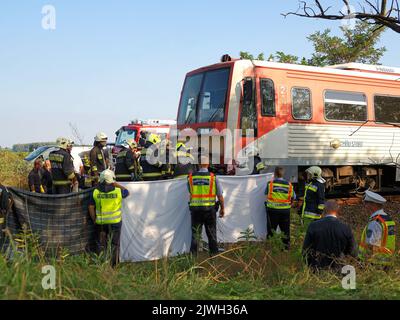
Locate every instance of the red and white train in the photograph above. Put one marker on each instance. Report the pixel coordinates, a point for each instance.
(344, 118)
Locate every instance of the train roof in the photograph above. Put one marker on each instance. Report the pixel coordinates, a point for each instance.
(351, 69)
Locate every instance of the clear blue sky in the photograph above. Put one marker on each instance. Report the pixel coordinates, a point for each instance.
(111, 61)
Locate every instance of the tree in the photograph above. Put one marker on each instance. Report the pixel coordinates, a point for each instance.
(356, 45)
(381, 13)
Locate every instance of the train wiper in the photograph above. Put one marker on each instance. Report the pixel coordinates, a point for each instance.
(359, 128)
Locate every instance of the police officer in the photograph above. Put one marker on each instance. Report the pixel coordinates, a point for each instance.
(280, 196)
(98, 157)
(62, 168)
(105, 210)
(378, 239)
(152, 167)
(314, 196)
(204, 188)
(183, 161)
(127, 167)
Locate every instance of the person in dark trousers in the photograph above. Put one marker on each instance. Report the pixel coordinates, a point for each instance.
(314, 197)
(204, 188)
(35, 178)
(105, 207)
(98, 157)
(127, 167)
(279, 200)
(62, 168)
(328, 240)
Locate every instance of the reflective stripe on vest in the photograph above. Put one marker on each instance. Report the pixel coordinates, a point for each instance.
(385, 251)
(203, 190)
(108, 206)
(280, 199)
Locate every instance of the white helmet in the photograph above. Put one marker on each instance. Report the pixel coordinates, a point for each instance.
(101, 137)
(315, 172)
(63, 143)
(107, 176)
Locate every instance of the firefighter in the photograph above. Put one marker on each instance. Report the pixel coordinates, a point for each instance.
(98, 157)
(280, 196)
(128, 167)
(62, 168)
(105, 208)
(183, 161)
(152, 167)
(314, 196)
(204, 188)
(378, 239)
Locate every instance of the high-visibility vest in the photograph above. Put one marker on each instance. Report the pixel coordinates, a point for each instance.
(108, 206)
(306, 211)
(279, 195)
(203, 189)
(383, 254)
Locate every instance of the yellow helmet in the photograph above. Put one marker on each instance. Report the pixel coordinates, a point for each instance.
(154, 138)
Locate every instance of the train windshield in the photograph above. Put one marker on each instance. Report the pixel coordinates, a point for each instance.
(204, 97)
(124, 135)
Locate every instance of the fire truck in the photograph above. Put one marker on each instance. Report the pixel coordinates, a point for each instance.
(343, 118)
(136, 128)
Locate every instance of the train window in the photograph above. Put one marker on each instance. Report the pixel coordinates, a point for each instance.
(301, 104)
(267, 97)
(345, 106)
(387, 109)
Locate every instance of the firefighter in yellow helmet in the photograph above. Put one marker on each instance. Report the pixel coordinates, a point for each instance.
(105, 208)
(152, 167)
(378, 240)
(62, 167)
(314, 196)
(184, 163)
(98, 157)
(128, 167)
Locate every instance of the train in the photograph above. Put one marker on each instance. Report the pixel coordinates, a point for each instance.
(343, 118)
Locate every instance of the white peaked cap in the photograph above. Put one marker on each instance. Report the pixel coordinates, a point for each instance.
(374, 197)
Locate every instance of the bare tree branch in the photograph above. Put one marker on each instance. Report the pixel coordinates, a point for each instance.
(382, 13)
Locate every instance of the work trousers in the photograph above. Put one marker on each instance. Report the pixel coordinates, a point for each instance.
(279, 218)
(208, 218)
(108, 238)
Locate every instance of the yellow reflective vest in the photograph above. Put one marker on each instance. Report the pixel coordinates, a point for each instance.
(203, 189)
(108, 206)
(280, 194)
(381, 255)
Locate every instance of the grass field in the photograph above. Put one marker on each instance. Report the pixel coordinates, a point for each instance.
(245, 271)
